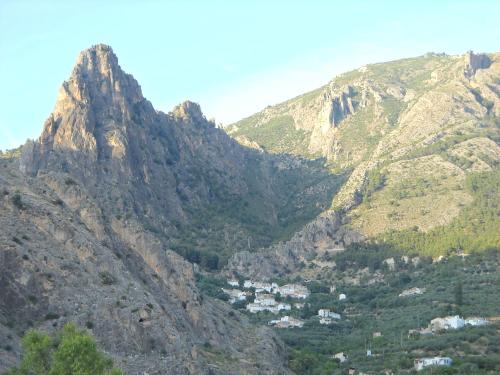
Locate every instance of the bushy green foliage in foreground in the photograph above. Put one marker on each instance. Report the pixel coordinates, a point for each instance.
(70, 352)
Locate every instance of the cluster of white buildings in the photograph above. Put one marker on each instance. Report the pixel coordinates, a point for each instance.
(260, 286)
(288, 290)
(234, 283)
(455, 322)
(412, 292)
(326, 316)
(422, 363)
(267, 302)
(287, 322)
(265, 295)
(449, 322)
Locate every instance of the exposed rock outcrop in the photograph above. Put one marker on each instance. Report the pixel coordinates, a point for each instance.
(337, 105)
(102, 193)
(324, 234)
(473, 62)
(164, 170)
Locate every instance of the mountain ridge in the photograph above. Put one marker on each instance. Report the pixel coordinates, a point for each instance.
(413, 135)
(120, 139)
(92, 210)
(385, 121)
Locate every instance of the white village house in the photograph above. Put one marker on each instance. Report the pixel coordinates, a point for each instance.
(326, 313)
(260, 286)
(325, 321)
(265, 299)
(342, 357)
(476, 321)
(294, 291)
(448, 322)
(412, 292)
(287, 322)
(422, 363)
(390, 263)
(265, 287)
(342, 296)
(247, 284)
(233, 282)
(255, 307)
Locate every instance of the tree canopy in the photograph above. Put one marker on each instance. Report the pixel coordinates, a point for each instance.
(70, 351)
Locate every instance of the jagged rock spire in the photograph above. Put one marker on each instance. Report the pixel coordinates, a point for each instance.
(98, 111)
(97, 80)
(92, 111)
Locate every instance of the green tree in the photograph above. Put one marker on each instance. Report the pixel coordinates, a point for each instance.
(77, 354)
(37, 347)
(278, 297)
(71, 352)
(302, 362)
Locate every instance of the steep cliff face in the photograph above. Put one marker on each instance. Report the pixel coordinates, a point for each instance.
(90, 210)
(137, 298)
(103, 133)
(174, 174)
(323, 236)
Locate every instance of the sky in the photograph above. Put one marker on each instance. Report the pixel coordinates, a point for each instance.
(233, 57)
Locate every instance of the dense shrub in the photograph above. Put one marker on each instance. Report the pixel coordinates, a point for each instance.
(107, 278)
(212, 286)
(71, 351)
(17, 201)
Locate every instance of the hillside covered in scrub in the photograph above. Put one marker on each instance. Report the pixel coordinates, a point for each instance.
(419, 139)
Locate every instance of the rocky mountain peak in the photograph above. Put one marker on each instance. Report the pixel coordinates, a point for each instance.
(99, 58)
(188, 111)
(98, 80)
(93, 110)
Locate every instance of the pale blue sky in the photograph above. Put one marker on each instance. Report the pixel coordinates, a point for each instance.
(233, 57)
